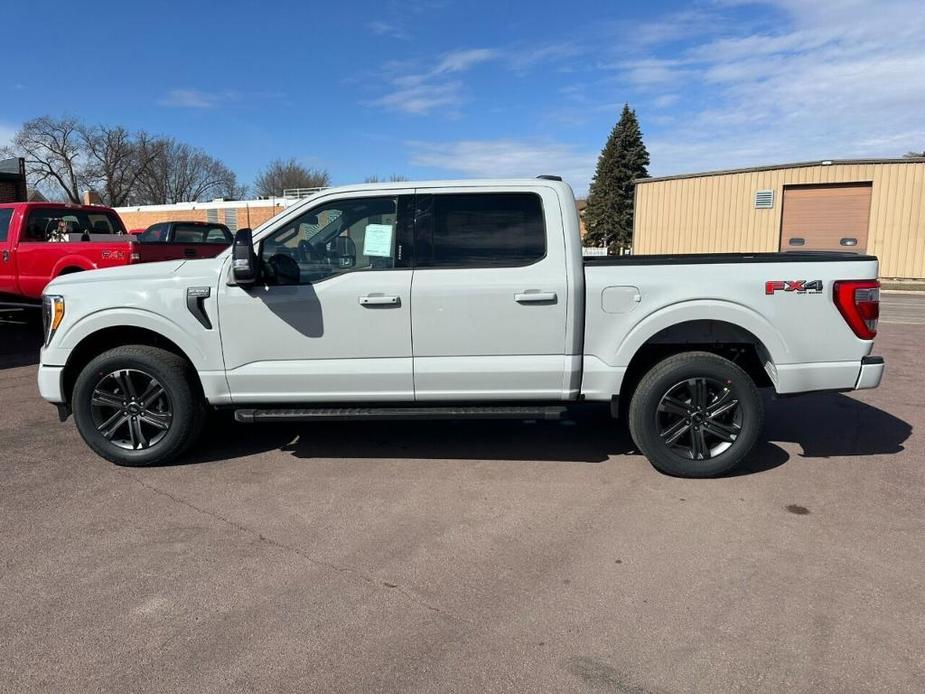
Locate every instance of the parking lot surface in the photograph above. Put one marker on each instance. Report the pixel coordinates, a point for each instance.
(470, 556)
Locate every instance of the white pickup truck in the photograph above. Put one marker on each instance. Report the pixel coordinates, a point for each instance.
(453, 299)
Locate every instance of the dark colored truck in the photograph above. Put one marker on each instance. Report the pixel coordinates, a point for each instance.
(40, 241)
(197, 239)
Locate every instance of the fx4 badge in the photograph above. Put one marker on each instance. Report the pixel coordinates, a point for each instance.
(798, 286)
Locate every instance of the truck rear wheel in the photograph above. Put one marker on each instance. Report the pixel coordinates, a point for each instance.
(696, 414)
(134, 406)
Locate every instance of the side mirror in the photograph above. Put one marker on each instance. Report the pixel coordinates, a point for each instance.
(244, 266)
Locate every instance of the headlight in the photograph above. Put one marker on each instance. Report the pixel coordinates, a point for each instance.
(52, 314)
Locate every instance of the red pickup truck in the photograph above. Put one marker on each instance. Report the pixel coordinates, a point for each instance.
(41, 240)
(198, 239)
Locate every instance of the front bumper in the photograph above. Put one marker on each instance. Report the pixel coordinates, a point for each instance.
(871, 373)
(50, 386)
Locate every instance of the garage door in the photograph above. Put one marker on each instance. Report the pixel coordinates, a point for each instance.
(828, 217)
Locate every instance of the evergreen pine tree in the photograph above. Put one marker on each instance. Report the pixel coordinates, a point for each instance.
(609, 215)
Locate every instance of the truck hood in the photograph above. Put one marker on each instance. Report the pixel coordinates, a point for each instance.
(132, 273)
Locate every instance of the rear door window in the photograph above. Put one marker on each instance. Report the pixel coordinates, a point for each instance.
(200, 233)
(472, 230)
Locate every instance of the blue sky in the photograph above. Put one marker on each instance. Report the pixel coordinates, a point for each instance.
(447, 88)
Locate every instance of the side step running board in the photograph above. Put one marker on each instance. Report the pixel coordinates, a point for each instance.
(307, 414)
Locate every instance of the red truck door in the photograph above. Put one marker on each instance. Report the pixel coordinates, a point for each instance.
(7, 256)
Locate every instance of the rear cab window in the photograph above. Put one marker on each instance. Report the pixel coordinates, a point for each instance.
(54, 224)
(472, 230)
(6, 214)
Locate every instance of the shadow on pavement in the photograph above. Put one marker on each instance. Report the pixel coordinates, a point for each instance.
(830, 425)
(824, 425)
(20, 337)
(827, 425)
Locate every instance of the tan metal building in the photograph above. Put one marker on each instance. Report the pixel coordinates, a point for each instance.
(872, 206)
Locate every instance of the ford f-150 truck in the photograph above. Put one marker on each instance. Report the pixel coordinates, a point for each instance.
(449, 300)
(42, 240)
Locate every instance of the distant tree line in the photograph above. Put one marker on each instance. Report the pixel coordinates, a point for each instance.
(65, 156)
(287, 174)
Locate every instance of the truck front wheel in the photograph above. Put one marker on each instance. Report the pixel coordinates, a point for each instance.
(696, 414)
(134, 406)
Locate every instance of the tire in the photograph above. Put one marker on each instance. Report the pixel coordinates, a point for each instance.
(157, 425)
(696, 414)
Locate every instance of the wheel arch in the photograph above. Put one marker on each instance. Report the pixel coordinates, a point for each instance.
(725, 314)
(99, 341)
(70, 264)
(725, 338)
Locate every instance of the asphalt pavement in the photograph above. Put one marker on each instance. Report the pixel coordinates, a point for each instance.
(469, 556)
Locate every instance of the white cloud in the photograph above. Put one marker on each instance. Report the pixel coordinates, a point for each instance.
(458, 61)
(828, 80)
(422, 97)
(391, 29)
(420, 93)
(666, 100)
(194, 98)
(506, 158)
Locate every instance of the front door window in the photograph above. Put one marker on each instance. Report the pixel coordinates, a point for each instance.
(348, 235)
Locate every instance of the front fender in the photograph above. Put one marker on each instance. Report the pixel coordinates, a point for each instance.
(702, 309)
(122, 317)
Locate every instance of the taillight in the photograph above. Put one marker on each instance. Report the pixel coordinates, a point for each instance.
(859, 303)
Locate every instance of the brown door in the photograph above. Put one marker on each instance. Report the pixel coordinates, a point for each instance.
(825, 217)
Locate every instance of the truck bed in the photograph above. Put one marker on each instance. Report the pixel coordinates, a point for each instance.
(726, 258)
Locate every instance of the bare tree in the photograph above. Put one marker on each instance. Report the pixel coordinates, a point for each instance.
(394, 178)
(54, 154)
(116, 160)
(913, 155)
(62, 154)
(283, 175)
(179, 172)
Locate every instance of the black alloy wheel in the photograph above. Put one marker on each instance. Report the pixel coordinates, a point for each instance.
(699, 418)
(138, 405)
(131, 409)
(696, 414)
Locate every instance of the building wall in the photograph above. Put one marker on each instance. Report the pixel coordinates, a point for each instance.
(9, 191)
(248, 213)
(711, 214)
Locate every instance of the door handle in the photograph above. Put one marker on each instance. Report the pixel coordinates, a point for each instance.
(189, 252)
(6, 256)
(532, 297)
(379, 300)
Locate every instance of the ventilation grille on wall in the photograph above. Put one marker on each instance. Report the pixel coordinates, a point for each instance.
(764, 199)
(231, 219)
(212, 216)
